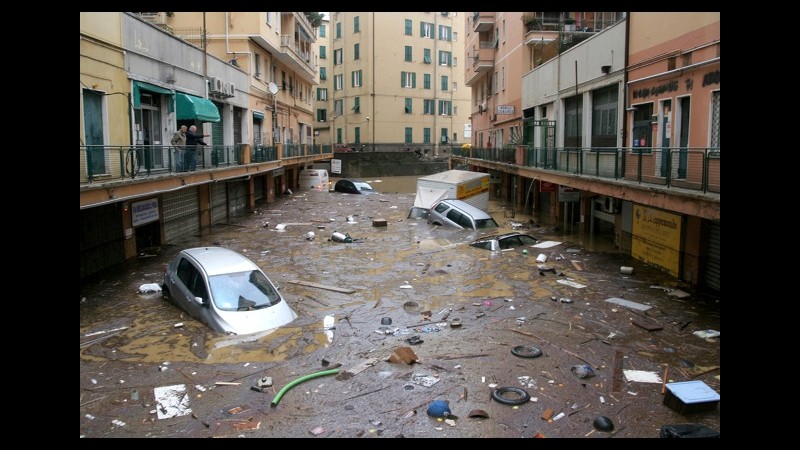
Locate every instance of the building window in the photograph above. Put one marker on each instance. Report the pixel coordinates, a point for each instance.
(426, 81)
(454, 86)
(429, 106)
(358, 135)
(356, 27)
(444, 135)
(671, 63)
(426, 58)
(338, 135)
(455, 36)
(338, 30)
(503, 79)
(322, 31)
(715, 121)
(338, 82)
(445, 83)
(445, 58)
(338, 107)
(323, 73)
(408, 27)
(445, 33)
(409, 135)
(642, 134)
(408, 105)
(408, 53)
(426, 30)
(356, 51)
(322, 115)
(408, 79)
(504, 30)
(257, 59)
(323, 52)
(573, 121)
(356, 105)
(337, 56)
(495, 83)
(356, 78)
(322, 94)
(604, 117)
(445, 107)
(687, 59)
(426, 135)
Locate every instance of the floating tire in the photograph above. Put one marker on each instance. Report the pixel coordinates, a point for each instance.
(526, 351)
(523, 396)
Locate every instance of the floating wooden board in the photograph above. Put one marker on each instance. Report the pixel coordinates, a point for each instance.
(649, 326)
(322, 286)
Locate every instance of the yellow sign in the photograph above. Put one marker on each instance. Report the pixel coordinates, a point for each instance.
(473, 188)
(657, 238)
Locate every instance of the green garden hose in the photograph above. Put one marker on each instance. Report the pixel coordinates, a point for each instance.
(294, 383)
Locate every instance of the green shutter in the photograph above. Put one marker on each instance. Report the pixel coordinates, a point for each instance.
(413, 79)
(402, 78)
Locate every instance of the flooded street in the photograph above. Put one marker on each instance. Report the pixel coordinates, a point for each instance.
(421, 277)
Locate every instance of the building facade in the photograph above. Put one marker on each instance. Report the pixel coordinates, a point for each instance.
(139, 83)
(393, 81)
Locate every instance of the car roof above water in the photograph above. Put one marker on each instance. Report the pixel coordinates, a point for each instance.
(473, 211)
(218, 260)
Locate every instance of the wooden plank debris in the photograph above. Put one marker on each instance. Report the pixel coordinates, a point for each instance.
(322, 286)
(649, 326)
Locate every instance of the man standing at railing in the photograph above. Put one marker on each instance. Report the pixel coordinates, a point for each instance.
(192, 139)
(179, 142)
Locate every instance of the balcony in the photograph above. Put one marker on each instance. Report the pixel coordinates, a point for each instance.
(483, 21)
(298, 56)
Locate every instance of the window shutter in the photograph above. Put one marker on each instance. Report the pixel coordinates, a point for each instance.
(413, 79)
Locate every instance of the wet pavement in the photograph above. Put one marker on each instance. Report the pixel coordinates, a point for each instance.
(134, 344)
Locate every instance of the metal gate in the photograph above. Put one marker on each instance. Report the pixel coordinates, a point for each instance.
(545, 206)
(711, 276)
(237, 198)
(101, 238)
(219, 203)
(258, 186)
(181, 214)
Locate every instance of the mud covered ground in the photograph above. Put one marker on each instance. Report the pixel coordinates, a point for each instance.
(132, 344)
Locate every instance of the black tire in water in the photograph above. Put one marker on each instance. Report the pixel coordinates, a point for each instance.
(523, 396)
(526, 351)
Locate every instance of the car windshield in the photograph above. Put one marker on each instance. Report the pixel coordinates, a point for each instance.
(242, 291)
(363, 187)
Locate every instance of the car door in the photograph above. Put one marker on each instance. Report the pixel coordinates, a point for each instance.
(190, 284)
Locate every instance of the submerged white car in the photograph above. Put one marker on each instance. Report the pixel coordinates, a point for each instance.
(225, 290)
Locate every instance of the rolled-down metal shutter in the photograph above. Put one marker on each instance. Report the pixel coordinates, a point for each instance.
(544, 206)
(219, 203)
(258, 183)
(101, 238)
(712, 265)
(237, 198)
(181, 214)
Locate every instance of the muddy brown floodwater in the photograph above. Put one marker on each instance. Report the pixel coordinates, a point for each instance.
(132, 345)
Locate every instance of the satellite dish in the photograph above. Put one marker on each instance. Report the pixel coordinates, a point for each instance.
(273, 88)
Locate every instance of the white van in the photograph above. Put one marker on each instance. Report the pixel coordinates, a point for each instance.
(316, 179)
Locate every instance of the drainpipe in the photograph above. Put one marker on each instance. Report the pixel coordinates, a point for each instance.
(373, 82)
(625, 82)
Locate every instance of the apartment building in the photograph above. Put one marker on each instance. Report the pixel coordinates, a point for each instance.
(392, 80)
(620, 133)
(140, 81)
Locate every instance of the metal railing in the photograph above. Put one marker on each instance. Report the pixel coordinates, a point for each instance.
(685, 168)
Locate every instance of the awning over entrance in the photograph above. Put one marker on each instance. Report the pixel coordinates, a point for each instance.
(258, 115)
(139, 86)
(196, 108)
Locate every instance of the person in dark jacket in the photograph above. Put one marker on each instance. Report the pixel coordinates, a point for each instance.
(192, 139)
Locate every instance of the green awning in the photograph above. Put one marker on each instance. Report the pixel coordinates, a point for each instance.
(196, 108)
(258, 115)
(139, 86)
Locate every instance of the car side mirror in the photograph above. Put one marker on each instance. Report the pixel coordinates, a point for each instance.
(199, 301)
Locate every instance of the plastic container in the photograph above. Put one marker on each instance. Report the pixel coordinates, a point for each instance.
(341, 237)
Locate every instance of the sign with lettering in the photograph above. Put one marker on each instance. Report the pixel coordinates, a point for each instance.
(505, 109)
(336, 166)
(656, 237)
(144, 212)
(568, 194)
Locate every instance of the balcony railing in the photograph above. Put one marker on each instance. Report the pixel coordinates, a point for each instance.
(125, 162)
(685, 168)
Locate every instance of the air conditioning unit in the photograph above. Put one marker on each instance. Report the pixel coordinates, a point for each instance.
(226, 87)
(232, 91)
(214, 84)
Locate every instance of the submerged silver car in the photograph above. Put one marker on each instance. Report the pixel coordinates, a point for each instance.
(505, 241)
(225, 290)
